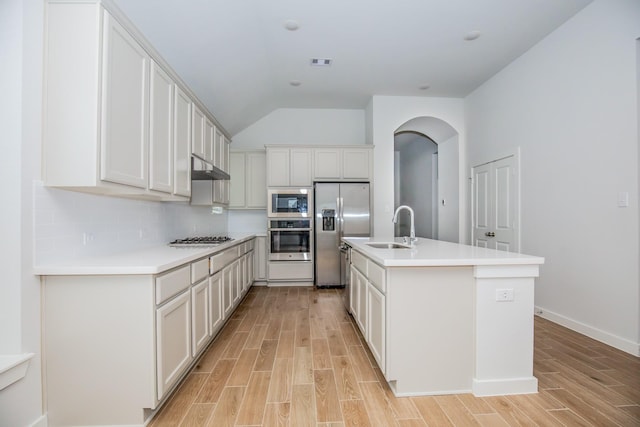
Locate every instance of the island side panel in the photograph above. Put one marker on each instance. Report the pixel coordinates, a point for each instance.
(430, 330)
(98, 351)
(504, 330)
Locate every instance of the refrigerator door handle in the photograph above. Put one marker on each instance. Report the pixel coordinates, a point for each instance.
(340, 219)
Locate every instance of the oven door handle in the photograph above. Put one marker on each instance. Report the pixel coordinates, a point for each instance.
(289, 229)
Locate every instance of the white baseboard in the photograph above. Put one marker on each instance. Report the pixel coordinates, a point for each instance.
(40, 422)
(597, 334)
(505, 386)
(281, 284)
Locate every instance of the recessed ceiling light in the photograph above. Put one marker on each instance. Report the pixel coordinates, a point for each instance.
(291, 25)
(295, 83)
(472, 35)
(321, 62)
(424, 87)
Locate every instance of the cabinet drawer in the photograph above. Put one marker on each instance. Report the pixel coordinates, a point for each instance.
(359, 262)
(172, 283)
(219, 260)
(376, 276)
(295, 270)
(199, 270)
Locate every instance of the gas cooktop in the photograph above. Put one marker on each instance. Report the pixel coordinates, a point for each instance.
(200, 241)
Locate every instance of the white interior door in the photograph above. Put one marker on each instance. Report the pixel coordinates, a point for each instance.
(496, 205)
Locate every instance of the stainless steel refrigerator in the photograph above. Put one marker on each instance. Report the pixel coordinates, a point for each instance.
(341, 210)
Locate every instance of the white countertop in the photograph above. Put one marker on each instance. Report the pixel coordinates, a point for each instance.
(432, 253)
(152, 260)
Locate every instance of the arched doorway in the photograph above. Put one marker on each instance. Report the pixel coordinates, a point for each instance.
(426, 177)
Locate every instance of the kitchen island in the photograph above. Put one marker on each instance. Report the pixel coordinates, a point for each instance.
(444, 318)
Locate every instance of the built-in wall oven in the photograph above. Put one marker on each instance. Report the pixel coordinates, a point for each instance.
(290, 203)
(290, 239)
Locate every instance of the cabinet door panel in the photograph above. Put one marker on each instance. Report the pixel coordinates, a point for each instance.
(227, 289)
(278, 167)
(161, 133)
(256, 196)
(173, 340)
(376, 324)
(182, 144)
(198, 133)
(199, 316)
(301, 167)
(215, 305)
(209, 143)
(327, 163)
(361, 319)
(237, 195)
(125, 111)
(355, 163)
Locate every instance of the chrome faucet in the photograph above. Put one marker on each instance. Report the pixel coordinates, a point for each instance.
(412, 237)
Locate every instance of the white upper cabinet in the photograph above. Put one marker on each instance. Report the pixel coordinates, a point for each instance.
(342, 163)
(278, 167)
(161, 144)
(248, 188)
(209, 134)
(125, 107)
(289, 167)
(116, 119)
(300, 166)
(198, 133)
(182, 144)
(327, 163)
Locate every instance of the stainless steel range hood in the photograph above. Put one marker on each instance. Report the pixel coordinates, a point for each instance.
(202, 170)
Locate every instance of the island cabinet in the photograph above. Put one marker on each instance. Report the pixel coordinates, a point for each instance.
(436, 319)
(116, 345)
(368, 303)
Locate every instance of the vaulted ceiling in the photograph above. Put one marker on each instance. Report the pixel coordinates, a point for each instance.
(242, 61)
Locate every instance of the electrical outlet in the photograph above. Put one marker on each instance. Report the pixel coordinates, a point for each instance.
(504, 295)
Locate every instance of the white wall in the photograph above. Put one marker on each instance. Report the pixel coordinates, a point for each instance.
(62, 218)
(385, 114)
(449, 217)
(304, 126)
(20, 85)
(416, 185)
(571, 104)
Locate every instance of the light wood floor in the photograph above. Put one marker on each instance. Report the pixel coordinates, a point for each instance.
(293, 357)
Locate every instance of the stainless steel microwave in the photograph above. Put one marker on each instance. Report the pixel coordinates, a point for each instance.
(290, 203)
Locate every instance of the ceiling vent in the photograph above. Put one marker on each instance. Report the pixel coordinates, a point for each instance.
(321, 62)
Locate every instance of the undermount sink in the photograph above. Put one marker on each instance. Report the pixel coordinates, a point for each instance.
(388, 245)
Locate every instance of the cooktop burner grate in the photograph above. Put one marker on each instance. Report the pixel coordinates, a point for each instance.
(201, 241)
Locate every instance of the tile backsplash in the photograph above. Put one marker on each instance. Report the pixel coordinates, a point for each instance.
(69, 224)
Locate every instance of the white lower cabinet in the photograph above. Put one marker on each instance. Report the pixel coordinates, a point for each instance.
(200, 316)
(368, 304)
(142, 332)
(260, 258)
(173, 341)
(376, 324)
(215, 305)
(361, 314)
(227, 290)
